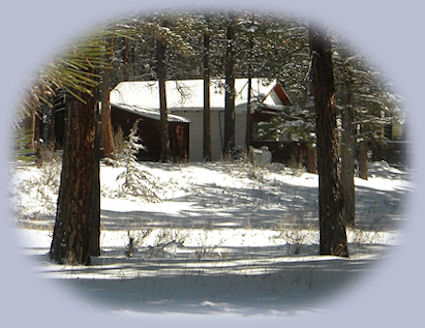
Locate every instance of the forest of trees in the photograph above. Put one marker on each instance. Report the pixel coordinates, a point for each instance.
(327, 82)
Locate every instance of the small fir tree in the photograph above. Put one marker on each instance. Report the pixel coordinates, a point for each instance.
(136, 182)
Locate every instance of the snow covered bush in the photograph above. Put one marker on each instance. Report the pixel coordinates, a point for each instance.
(133, 180)
(207, 248)
(37, 187)
(135, 239)
(296, 238)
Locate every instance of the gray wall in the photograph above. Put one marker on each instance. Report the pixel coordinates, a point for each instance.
(196, 128)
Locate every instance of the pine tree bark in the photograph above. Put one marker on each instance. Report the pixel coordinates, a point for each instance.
(52, 133)
(94, 244)
(73, 226)
(107, 135)
(311, 159)
(207, 110)
(229, 97)
(248, 132)
(333, 239)
(32, 123)
(363, 159)
(347, 155)
(126, 76)
(165, 141)
(36, 133)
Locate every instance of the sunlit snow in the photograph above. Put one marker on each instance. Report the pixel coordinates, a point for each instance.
(227, 236)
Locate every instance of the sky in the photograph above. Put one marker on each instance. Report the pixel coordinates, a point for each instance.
(389, 33)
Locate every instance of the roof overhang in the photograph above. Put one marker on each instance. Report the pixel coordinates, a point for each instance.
(155, 115)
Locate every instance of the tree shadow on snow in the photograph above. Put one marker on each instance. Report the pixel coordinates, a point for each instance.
(242, 279)
(217, 207)
(283, 287)
(378, 210)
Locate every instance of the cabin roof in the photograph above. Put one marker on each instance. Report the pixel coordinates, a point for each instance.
(188, 94)
(152, 114)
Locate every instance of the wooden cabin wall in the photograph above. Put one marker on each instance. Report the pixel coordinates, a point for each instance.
(149, 133)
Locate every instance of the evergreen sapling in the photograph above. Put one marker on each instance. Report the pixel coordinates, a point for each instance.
(135, 182)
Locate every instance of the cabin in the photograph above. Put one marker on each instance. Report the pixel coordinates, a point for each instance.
(124, 116)
(394, 146)
(186, 109)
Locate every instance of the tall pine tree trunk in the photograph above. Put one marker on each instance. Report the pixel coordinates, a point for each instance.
(94, 248)
(52, 133)
(363, 159)
(107, 136)
(311, 160)
(333, 239)
(347, 155)
(32, 123)
(207, 111)
(248, 132)
(37, 142)
(73, 227)
(229, 97)
(160, 71)
(126, 76)
(34, 131)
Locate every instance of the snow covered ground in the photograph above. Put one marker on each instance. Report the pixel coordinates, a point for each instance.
(226, 237)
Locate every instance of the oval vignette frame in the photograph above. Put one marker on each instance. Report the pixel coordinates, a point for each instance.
(41, 301)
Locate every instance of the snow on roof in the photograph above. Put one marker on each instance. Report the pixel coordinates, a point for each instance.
(188, 94)
(149, 113)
